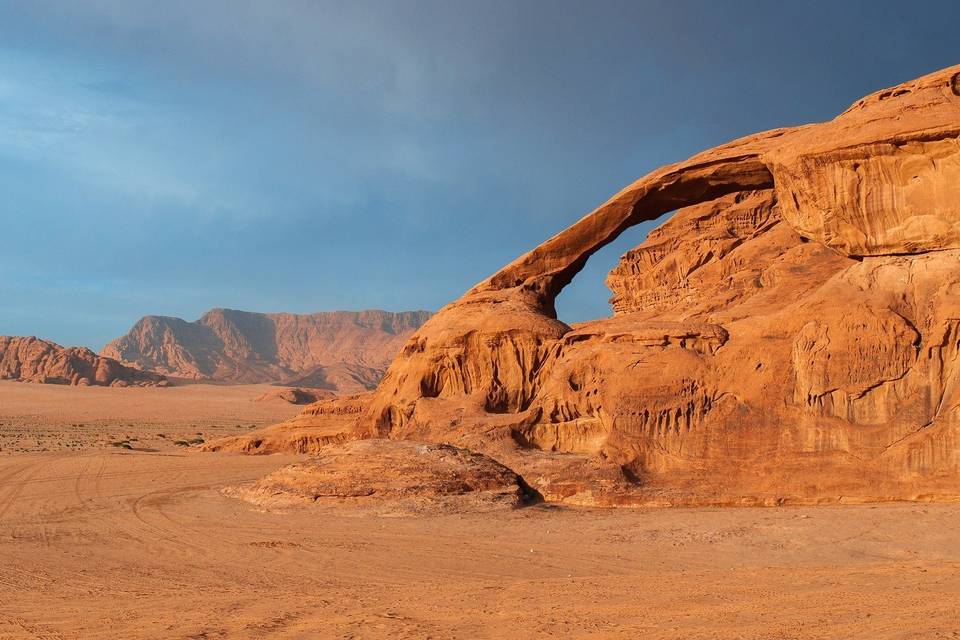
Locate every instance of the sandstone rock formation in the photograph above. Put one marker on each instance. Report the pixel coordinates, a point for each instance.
(393, 476)
(294, 395)
(30, 359)
(792, 334)
(320, 424)
(339, 351)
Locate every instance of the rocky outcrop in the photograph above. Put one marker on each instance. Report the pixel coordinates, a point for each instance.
(715, 255)
(393, 477)
(325, 422)
(293, 395)
(790, 335)
(338, 351)
(30, 359)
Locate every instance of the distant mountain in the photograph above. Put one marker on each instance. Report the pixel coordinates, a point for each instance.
(343, 351)
(30, 359)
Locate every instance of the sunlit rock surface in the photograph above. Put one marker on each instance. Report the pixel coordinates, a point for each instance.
(30, 359)
(790, 335)
(338, 351)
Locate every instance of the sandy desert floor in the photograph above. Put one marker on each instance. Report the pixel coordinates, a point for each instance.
(45, 417)
(99, 541)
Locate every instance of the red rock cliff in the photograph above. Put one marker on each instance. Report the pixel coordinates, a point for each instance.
(340, 350)
(30, 359)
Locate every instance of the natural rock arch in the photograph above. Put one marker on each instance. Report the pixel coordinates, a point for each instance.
(553, 265)
(885, 129)
(815, 353)
(489, 345)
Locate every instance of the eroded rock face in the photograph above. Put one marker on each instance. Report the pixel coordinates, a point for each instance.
(892, 188)
(325, 422)
(716, 255)
(30, 359)
(790, 335)
(393, 477)
(341, 351)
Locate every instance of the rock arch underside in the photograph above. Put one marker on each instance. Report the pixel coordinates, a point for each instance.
(790, 335)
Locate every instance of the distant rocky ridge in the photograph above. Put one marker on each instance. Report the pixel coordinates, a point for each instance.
(342, 351)
(30, 359)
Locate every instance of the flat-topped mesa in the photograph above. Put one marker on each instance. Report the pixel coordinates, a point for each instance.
(30, 359)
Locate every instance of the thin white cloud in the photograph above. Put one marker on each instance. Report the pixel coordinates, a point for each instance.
(101, 139)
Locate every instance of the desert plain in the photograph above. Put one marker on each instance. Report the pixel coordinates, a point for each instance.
(99, 540)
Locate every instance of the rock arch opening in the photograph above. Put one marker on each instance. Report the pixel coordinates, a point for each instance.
(588, 297)
(544, 272)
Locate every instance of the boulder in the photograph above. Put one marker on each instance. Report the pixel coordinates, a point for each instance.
(293, 395)
(395, 477)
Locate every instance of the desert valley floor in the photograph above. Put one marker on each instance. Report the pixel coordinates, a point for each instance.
(101, 540)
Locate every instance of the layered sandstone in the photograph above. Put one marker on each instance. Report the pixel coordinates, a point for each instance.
(790, 335)
(30, 359)
(325, 422)
(338, 351)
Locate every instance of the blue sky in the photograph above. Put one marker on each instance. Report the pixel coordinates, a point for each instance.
(168, 157)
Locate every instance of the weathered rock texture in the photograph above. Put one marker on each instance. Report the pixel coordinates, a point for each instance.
(393, 476)
(322, 423)
(30, 359)
(294, 395)
(792, 334)
(339, 351)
